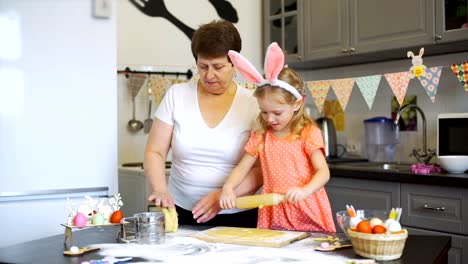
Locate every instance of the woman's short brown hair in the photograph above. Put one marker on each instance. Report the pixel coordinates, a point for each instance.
(215, 39)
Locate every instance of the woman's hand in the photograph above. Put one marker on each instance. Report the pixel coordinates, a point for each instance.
(163, 199)
(207, 208)
(228, 198)
(296, 194)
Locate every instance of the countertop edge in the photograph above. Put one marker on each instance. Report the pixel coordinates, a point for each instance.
(449, 180)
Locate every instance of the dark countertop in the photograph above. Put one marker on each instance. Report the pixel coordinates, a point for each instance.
(349, 170)
(418, 249)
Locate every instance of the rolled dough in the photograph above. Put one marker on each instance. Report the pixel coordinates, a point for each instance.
(245, 233)
(170, 216)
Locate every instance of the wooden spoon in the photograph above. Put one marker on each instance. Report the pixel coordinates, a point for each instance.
(332, 247)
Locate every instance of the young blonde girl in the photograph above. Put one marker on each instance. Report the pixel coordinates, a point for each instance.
(290, 148)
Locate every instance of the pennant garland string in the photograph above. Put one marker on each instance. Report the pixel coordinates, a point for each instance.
(398, 82)
(368, 85)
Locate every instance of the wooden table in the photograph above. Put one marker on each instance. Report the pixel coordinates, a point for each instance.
(418, 249)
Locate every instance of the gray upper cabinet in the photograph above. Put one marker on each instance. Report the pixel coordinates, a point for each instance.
(451, 20)
(346, 31)
(326, 28)
(377, 25)
(340, 27)
(283, 25)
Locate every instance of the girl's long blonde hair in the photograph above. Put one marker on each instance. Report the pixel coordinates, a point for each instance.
(300, 118)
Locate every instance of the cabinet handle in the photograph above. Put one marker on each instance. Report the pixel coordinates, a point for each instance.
(438, 37)
(344, 50)
(427, 207)
(352, 49)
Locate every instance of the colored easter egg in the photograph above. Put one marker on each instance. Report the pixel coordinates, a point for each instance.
(354, 221)
(98, 219)
(376, 221)
(79, 220)
(116, 217)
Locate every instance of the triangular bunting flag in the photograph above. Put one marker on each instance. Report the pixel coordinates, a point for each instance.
(135, 82)
(368, 86)
(342, 89)
(319, 91)
(430, 82)
(159, 85)
(461, 71)
(398, 82)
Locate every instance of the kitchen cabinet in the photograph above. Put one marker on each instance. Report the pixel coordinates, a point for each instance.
(335, 32)
(435, 207)
(459, 246)
(283, 24)
(451, 20)
(438, 210)
(133, 190)
(366, 194)
(427, 209)
(333, 28)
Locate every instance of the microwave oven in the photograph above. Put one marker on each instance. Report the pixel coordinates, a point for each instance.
(452, 134)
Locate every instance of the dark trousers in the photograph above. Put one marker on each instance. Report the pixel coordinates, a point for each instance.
(241, 219)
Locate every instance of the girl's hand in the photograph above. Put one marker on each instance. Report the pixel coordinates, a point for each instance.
(228, 199)
(163, 199)
(296, 194)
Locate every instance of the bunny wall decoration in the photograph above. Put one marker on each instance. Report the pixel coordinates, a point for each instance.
(418, 69)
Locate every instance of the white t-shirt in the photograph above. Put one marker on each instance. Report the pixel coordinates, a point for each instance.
(203, 157)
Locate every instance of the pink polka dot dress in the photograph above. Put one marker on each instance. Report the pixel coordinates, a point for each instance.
(285, 164)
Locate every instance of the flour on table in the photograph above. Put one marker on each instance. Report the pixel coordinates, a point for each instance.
(180, 247)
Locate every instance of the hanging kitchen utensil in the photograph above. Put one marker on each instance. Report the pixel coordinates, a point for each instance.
(134, 125)
(149, 121)
(135, 82)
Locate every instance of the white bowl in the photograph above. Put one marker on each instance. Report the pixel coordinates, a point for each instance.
(454, 164)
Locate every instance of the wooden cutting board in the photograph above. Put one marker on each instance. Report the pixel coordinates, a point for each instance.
(249, 236)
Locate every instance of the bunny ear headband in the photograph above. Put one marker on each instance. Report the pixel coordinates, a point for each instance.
(274, 62)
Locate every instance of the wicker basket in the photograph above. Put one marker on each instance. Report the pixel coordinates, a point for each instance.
(378, 246)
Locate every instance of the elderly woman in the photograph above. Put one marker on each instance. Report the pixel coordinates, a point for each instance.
(205, 124)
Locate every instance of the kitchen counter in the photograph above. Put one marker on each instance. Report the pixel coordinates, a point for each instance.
(349, 170)
(418, 249)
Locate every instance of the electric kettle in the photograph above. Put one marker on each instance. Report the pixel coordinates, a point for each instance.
(329, 136)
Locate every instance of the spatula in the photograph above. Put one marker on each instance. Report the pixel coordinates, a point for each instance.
(259, 200)
(149, 121)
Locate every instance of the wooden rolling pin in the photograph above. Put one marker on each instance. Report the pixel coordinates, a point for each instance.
(259, 200)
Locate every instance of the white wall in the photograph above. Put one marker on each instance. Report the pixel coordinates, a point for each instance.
(451, 97)
(58, 110)
(153, 43)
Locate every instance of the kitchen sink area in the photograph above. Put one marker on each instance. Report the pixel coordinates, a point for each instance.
(395, 172)
(380, 166)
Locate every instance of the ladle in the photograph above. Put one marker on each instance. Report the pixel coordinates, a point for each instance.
(134, 125)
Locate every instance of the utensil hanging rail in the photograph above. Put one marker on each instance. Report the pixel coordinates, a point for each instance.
(127, 70)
